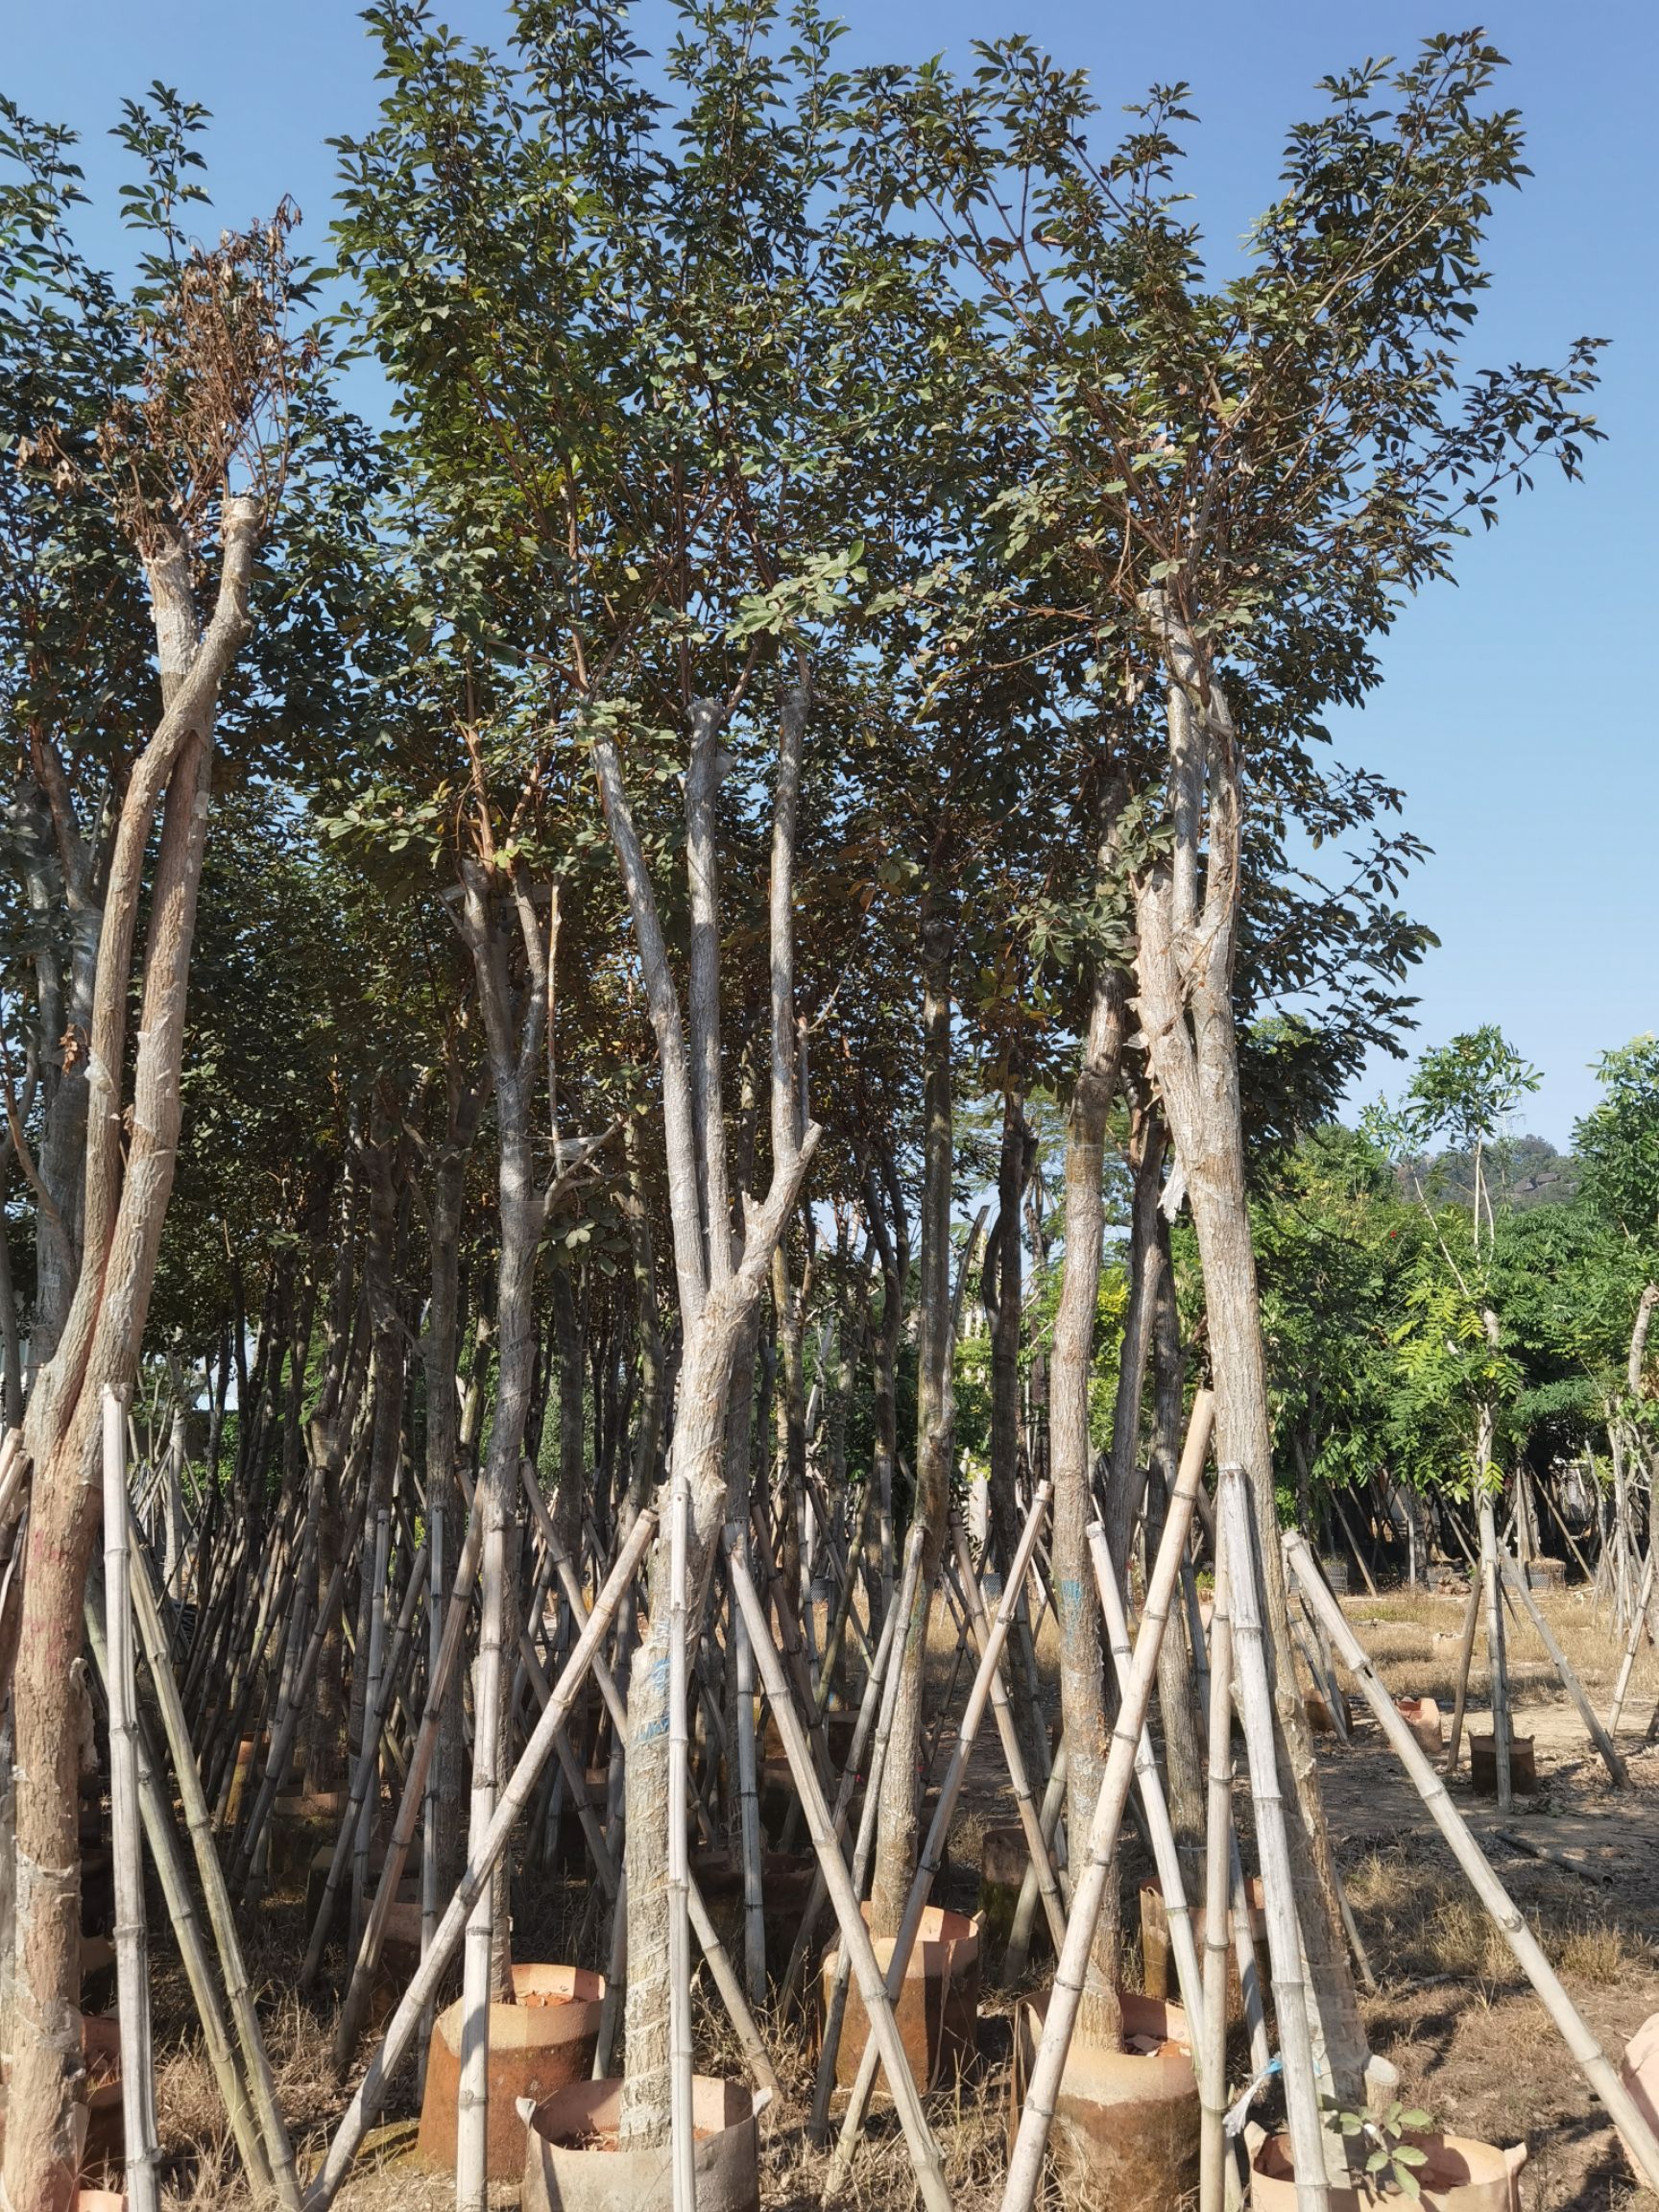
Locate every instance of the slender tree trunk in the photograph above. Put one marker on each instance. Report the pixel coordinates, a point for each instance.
(896, 1835)
(1071, 1456)
(1004, 1297)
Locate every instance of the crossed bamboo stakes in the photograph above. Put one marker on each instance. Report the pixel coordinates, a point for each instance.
(1235, 1675)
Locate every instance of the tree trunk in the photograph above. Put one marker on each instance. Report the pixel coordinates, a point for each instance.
(124, 1208)
(896, 1835)
(1184, 969)
(1071, 1461)
(1003, 1297)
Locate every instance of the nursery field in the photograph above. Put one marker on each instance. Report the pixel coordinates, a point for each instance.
(702, 1290)
(1451, 2009)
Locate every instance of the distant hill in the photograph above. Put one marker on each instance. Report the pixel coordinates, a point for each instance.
(1521, 1173)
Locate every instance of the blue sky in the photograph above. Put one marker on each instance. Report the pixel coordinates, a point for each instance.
(1518, 712)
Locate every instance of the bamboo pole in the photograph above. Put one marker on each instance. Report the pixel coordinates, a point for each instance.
(473, 2096)
(365, 2106)
(1465, 1656)
(1571, 1541)
(283, 1734)
(870, 1707)
(682, 2136)
(357, 1996)
(919, 2140)
(368, 1751)
(429, 1799)
(1097, 1864)
(131, 1962)
(164, 1850)
(863, 1849)
(1218, 1843)
(1587, 2054)
(1030, 1820)
(1017, 1954)
(1492, 1586)
(216, 1893)
(749, 1812)
(717, 1959)
(1563, 1666)
(376, 1713)
(1284, 1935)
(1633, 1643)
(932, 1856)
(1165, 1857)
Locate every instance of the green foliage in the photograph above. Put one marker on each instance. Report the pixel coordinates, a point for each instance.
(1618, 1143)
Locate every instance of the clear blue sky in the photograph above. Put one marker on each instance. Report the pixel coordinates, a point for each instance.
(1519, 709)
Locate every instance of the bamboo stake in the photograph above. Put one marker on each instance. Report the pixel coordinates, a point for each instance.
(1218, 1842)
(1284, 1935)
(873, 1700)
(1587, 2054)
(283, 1734)
(357, 1996)
(1030, 1821)
(473, 2098)
(1017, 1954)
(1098, 1863)
(863, 1849)
(359, 1806)
(932, 1856)
(1563, 1666)
(429, 1799)
(188, 1930)
(681, 2137)
(216, 1892)
(1353, 1541)
(365, 2106)
(1571, 1541)
(749, 1813)
(1492, 1585)
(1465, 1657)
(369, 1750)
(919, 2140)
(1165, 1857)
(1638, 1621)
(131, 1963)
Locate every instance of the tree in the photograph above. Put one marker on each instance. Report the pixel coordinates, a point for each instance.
(1247, 479)
(188, 459)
